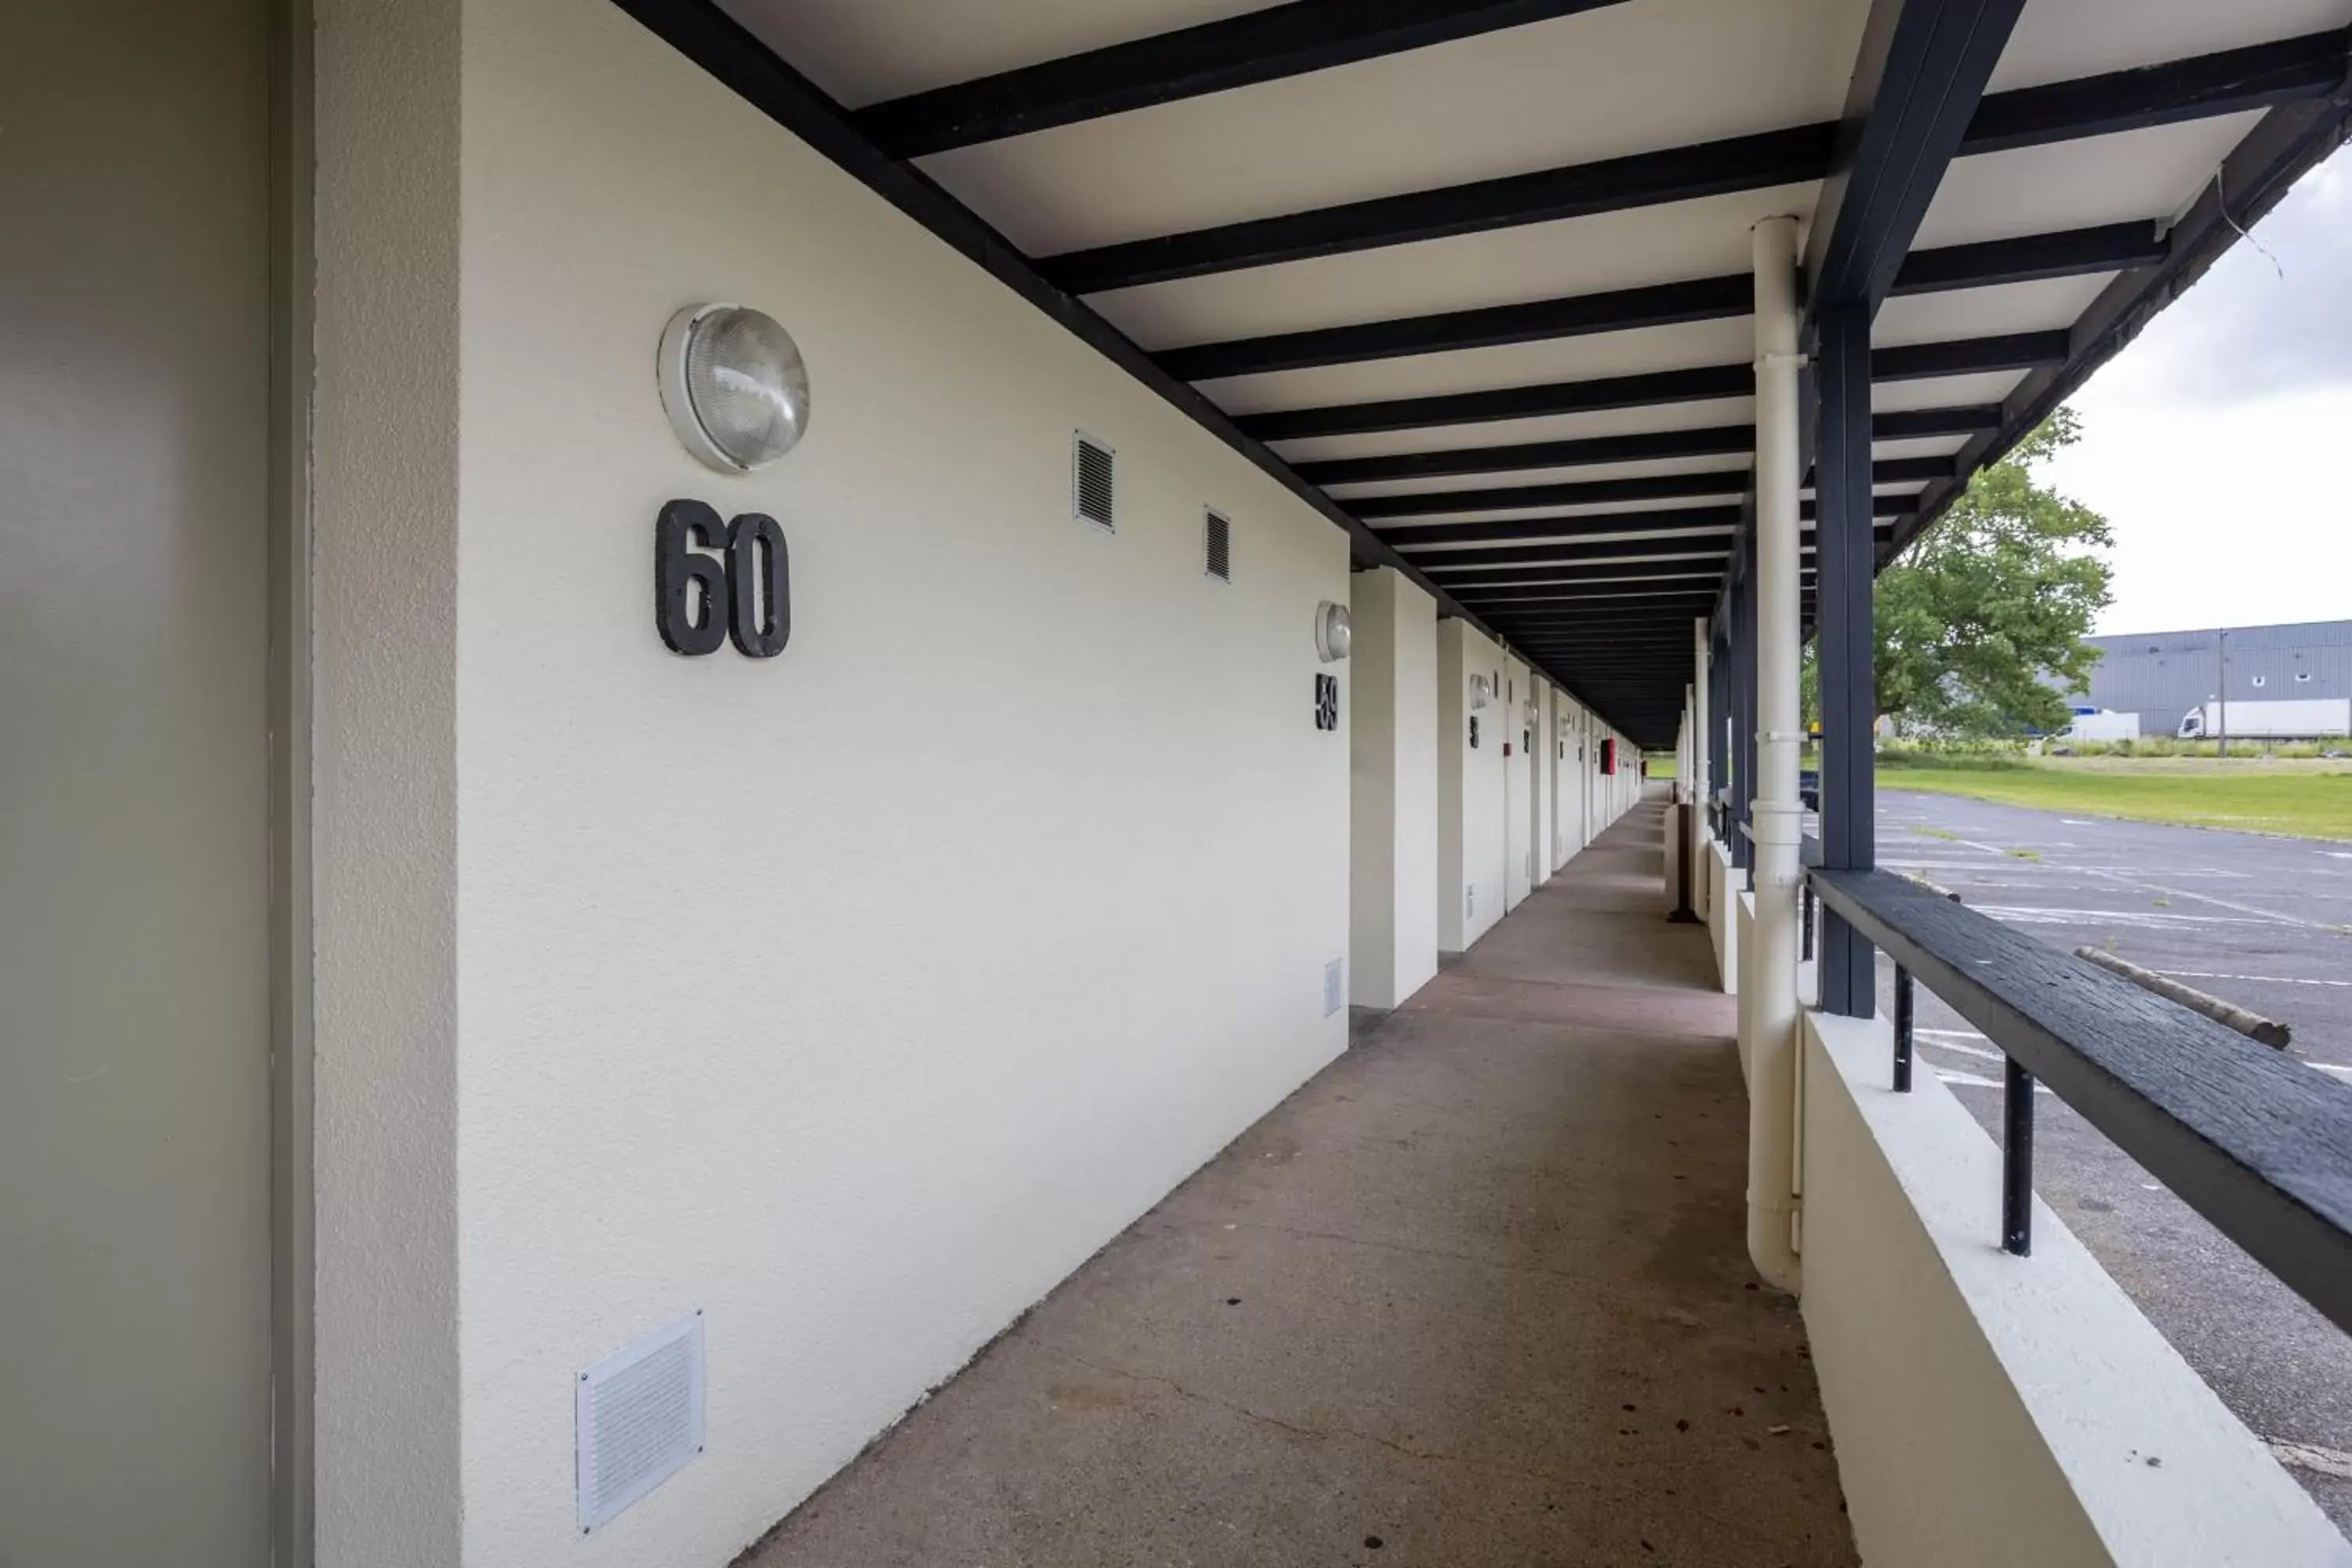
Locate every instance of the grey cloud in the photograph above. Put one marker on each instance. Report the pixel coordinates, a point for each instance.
(2246, 332)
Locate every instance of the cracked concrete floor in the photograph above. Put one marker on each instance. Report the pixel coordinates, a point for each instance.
(1476, 1294)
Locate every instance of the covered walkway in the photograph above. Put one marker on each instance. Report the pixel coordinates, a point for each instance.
(1477, 1293)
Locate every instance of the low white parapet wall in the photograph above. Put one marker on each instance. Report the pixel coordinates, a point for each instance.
(1991, 1409)
(1743, 964)
(1721, 923)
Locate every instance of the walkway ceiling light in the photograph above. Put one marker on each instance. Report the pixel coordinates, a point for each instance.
(1477, 692)
(734, 386)
(1331, 632)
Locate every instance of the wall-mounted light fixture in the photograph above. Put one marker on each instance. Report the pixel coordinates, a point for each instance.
(1479, 691)
(733, 386)
(1332, 633)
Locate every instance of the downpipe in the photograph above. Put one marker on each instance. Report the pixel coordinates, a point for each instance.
(1777, 812)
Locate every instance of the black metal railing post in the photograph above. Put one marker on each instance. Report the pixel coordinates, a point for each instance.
(2017, 1160)
(1805, 924)
(1903, 1000)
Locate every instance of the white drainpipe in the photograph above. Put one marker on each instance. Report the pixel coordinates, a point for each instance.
(1777, 813)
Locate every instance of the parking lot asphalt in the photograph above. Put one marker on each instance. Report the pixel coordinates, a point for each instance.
(2261, 921)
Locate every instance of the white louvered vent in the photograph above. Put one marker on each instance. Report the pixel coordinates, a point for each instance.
(1217, 546)
(638, 1419)
(1094, 482)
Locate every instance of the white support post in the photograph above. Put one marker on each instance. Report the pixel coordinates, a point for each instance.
(1775, 813)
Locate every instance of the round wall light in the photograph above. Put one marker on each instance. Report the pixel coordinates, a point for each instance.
(734, 386)
(1331, 632)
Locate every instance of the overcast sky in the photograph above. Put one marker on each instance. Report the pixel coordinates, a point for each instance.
(2220, 443)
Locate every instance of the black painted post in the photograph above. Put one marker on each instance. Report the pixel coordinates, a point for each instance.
(2017, 1160)
(1903, 1006)
(1805, 923)
(1718, 718)
(1844, 562)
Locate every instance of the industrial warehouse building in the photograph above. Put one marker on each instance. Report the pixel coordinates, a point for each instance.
(2160, 677)
(715, 714)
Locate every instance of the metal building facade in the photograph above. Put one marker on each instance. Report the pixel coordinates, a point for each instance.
(2160, 676)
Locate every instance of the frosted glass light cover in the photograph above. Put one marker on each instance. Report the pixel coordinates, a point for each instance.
(734, 385)
(1332, 632)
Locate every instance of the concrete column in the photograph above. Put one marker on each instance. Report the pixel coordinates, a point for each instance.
(1775, 811)
(1392, 790)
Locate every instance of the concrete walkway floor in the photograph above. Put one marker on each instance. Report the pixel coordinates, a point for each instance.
(1476, 1294)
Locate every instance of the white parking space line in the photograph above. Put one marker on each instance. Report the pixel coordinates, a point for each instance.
(1971, 1081)
(2154, 919)
(2253, 979)
(2131, 880)
(2339, 1069)
(2311, 1457)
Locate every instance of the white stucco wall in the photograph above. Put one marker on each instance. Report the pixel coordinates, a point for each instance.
(1470, 793)
(385, 795)
(1953, 1374)
(852, 998)
(1392, 715)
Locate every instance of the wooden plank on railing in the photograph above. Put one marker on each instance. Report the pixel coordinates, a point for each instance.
(2258, 1143)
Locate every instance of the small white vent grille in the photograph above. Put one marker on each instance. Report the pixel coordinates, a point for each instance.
(1334, 986)
(1094, 482)
(1217, 546)
(638, 1417)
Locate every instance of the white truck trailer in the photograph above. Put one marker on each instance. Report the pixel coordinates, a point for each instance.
(2101, 724)
(2281, 719)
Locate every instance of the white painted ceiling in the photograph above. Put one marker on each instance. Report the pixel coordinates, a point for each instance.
(1633, 76)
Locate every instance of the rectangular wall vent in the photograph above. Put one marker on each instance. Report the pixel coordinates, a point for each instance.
(1334, 986)
(1094, 482)
(1217, 546)
(638, 1419)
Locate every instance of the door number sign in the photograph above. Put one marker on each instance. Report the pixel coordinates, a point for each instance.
(715, 580)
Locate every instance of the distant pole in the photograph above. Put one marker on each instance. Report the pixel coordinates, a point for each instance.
(2222, 714)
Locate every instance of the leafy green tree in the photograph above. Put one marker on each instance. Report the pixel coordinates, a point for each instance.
(1999, 593)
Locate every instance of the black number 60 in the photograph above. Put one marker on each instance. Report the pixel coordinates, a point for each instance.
(699, 600)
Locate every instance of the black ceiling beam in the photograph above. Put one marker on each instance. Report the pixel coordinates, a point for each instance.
(1542, 617)
(1914, 424)
(2285, 144)
(1968, 356)
(1265, 44)
(1652, 389)
(1575, 527)
(1448, 332)
(2071, 253)
(2259, 76)
(1794, 157)
(1689, 602)
(734, 57)
(1569, 581)
(2091, 106)
(1703, 546)
(1919, 79)
(1609, 310)
(1644, 487)
(1636, 447)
